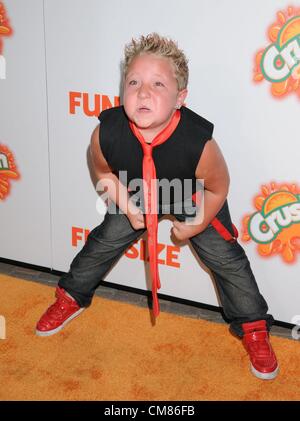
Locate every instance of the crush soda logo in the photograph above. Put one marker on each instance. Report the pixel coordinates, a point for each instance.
(275, 227)
(8, 171)
(5, 31)
(279, 62)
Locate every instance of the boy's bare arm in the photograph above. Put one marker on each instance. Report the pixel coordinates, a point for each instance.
(116, 191)
(212, 169)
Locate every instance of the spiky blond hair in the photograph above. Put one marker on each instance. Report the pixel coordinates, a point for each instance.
(160, 46)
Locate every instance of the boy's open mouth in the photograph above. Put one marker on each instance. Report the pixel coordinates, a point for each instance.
(143, 109)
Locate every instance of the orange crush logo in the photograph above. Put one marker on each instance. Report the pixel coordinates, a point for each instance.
(5, 28)
(8, 170)
(91, 105)
(275, 227)
(167, 255)
(279, 63)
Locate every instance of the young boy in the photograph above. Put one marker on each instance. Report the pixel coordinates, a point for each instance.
(153, 136)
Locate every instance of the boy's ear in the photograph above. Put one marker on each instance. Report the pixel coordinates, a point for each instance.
(182, 96)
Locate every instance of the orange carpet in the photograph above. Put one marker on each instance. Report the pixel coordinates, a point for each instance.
(113, 352)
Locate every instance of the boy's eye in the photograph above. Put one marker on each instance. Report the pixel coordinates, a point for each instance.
(132, 82)
(159, 84)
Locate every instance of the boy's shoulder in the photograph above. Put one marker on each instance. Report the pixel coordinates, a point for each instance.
(197, 121)
(112, 123)
(112, 114)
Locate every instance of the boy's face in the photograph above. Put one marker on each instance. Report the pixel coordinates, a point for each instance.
(151, 93)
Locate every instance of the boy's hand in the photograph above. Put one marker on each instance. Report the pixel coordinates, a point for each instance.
(136, 217)
(182, 231)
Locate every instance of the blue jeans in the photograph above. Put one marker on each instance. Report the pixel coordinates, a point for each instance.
(236, 285)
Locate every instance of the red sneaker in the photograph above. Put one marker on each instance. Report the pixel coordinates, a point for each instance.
(262, 357)
(58, 314)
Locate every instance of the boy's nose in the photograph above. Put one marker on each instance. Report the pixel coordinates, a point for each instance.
(143, 91)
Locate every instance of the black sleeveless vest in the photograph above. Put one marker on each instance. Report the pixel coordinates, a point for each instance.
(175, 159)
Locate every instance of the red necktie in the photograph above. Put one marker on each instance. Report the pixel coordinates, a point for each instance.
(150, 198)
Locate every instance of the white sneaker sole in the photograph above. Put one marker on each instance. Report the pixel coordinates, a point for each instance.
(264, 376)
(53, 331)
